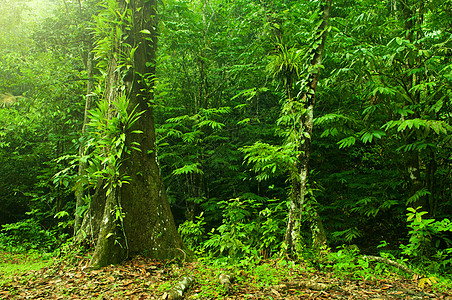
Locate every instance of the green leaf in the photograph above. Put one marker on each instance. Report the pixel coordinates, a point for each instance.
(346, 142)
(61, 214)
(384, 91)
(189, 169)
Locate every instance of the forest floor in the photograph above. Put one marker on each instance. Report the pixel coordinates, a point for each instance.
(25, 277)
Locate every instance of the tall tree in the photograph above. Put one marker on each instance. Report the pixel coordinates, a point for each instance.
(296, 63)
(303, 106)
(136, 216)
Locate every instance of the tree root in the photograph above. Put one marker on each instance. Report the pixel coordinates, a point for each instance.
(225, 281)
(315, 286)
(389, 262)
(178, 290)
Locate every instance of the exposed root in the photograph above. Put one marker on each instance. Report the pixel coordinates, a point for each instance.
(178, 290)
(389, 262)
(225, 281)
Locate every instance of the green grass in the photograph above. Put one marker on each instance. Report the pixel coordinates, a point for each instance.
(14, 264)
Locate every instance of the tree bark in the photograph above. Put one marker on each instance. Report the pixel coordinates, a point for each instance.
(148, 226)
(89, 228)
(111, 246)
(299, 179)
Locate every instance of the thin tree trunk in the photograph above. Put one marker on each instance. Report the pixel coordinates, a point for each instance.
(79, 187)
(430, 182)
(413, 19)
(65, 5)
(298, 193)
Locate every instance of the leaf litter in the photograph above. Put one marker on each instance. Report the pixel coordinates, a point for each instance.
(144, 278)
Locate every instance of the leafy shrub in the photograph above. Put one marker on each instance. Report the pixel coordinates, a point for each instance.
(26, 235)
(428, 241)
(347, 262)
(340, 262)
(192, 232)
(248, 230)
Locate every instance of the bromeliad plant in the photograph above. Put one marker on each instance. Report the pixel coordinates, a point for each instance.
(108, 141)
(110, 124)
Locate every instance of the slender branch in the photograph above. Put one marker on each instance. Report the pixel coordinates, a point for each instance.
(65, 4)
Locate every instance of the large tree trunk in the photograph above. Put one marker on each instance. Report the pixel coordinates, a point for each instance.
(147, 226)
(299, 179)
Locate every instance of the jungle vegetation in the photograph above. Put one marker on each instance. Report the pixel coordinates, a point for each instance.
(229, 129)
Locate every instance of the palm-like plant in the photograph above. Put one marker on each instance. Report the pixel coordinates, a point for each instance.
(285, 65)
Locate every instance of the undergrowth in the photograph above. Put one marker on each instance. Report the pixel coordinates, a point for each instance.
(17, 264)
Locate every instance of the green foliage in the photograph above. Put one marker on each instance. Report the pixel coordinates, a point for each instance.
(38, 129)
(267, 160)
(191, 147)
(389, 88)
(107, 141)
(286, 64)
(226, 129)
(429, 241)
(42, 69)
(193, 233)
(27, 235)
(248, 230)
(348, 263)
(348, 235)
(210, 55)
(110, 22)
